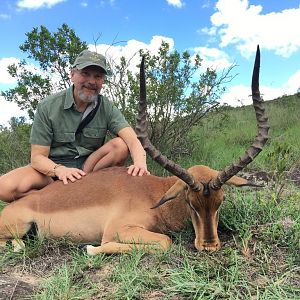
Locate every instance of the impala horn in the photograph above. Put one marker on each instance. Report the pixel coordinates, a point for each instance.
(141, 130)
(260, 139)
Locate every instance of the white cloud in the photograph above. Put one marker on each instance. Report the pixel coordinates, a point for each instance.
(244, 25)
(131, 48)
(9, 110)
(176, 3)
(241, 95)
(213, 58)
(5, 78)
(36, 4)
(292, 84)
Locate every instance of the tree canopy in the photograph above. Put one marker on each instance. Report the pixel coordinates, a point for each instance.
(179, 92)
(52, 54)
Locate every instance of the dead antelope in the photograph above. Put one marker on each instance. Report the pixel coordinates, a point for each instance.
(113, 208)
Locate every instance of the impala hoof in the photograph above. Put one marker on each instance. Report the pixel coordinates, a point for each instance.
(3, 244)
(18, 245)
(90, 250)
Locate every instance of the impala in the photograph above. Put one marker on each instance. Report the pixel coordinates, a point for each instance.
(120, 212)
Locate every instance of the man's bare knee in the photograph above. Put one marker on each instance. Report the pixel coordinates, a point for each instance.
(118, 143)
(113, 153)
(120, 150)
(19, 182)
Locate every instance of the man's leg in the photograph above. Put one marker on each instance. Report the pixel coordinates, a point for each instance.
(113, 153)
(19, 182)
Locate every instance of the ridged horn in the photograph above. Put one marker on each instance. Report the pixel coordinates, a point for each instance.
(141, 130)
(260, 139)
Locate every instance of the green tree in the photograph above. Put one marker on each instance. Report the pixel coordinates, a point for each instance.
(14, 145)
(52, 54)
(179, 92)
(179, 95)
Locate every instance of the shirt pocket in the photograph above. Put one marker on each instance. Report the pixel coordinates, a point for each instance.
(63, 138)
(93, 138)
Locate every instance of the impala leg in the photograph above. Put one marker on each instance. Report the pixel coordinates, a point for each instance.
(3, 243)
(133, 238)
(13, 227)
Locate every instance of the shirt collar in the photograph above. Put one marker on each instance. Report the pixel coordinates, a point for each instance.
(69, 100)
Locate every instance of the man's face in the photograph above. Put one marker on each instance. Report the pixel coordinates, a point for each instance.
(87, 83)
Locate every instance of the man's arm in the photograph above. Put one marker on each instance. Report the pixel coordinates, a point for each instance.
(41, 163)
(136, 150)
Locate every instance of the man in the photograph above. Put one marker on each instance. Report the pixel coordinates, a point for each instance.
(58, 151)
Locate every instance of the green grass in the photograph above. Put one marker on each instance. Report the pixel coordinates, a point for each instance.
(225, 135)
(259, 259)
(259, 230)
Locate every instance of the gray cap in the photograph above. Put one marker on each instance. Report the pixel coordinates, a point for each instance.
(88, 58)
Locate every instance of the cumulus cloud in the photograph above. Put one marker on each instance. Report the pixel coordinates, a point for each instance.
(130, 50)
(239, 95)
(292, 84)
(36, 4)
(213, 58)
(9, 110)
(176, 3)
(236, 22)
(5, 78)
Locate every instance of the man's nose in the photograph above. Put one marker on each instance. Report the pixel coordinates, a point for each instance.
(92, 80)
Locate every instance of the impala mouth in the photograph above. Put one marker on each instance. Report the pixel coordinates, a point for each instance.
(208, 246)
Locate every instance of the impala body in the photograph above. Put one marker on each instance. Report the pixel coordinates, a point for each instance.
(120, 211)
(114, 208)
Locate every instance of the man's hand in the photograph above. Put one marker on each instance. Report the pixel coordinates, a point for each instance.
(135, 170)
(64, 174)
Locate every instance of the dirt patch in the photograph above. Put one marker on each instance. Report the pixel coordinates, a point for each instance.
(21, 276)
(261, 177)
(16, 287)
(294, 176)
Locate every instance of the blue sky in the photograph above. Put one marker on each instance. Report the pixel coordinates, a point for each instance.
(223, 32)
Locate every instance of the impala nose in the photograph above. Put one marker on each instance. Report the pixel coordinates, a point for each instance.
(209, 246)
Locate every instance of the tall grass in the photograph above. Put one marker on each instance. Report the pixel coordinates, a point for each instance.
(225, 135)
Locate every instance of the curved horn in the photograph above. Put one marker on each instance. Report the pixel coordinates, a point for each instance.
(260, 139)
(141, 130)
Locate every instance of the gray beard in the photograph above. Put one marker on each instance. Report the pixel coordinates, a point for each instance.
(87, 99)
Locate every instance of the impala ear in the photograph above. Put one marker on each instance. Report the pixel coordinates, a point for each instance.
(172, 193)
(239, 182)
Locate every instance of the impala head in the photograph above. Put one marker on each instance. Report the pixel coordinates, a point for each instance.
(203, 186)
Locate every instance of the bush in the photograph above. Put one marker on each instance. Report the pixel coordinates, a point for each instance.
(14, 145)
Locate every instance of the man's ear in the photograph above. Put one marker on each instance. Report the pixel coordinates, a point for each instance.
(72, 74)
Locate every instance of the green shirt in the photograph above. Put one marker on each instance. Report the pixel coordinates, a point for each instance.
(57, 119)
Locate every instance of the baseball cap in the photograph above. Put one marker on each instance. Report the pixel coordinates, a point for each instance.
(88, 58)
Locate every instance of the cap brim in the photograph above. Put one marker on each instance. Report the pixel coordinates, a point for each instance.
(84, 65)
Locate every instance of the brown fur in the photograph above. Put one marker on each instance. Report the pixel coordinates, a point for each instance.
(114, 208)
